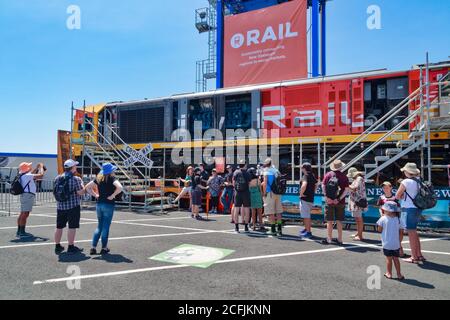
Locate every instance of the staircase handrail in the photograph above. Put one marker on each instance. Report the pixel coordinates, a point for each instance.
(383, 138)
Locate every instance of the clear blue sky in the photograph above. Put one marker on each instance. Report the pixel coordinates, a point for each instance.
(137, 49)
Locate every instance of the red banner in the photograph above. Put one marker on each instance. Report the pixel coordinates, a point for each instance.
(79, 115)
(266, 45)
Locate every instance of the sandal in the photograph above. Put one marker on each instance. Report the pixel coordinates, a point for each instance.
(387, 276)
(411, 260)
(401, 278)
(422, 258)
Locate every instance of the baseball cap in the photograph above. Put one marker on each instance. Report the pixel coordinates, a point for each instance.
(390, 206)
(387, 183)
(70, 164)
(307, 166)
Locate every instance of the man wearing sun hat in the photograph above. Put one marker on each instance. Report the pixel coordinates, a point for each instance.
(335, 203)
(408, 190)
(27, 180)
(69, 211)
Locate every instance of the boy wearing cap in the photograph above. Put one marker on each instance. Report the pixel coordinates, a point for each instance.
(69, 211)
(389, 226)
(27, 180)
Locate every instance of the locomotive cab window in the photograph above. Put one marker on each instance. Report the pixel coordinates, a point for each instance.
(383, 95)
(238, 112)
(201, 111)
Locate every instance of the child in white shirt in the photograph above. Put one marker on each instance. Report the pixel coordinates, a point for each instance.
(389, 226)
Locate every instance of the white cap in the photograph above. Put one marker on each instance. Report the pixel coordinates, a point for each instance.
(70, 164)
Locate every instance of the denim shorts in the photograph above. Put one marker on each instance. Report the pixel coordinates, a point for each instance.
(412, 217)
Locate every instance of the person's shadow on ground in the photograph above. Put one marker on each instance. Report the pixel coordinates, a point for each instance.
(30, 239)
(72, 258)
(432, 266)
(113, 258)
(417, 283)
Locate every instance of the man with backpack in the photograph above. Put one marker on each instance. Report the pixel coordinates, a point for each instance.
(24, 186)
(68, 191)
(335, 187)
(415, 196)
(273, 187)
(241, 180)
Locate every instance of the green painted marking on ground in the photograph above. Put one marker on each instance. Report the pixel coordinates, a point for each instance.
(192, 255)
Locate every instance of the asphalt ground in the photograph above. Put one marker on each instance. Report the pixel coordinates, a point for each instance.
(261, 267)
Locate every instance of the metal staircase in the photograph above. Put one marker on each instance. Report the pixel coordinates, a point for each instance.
(140, 191)
(419, 134)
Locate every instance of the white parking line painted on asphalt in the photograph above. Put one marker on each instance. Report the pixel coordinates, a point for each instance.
(41, 226)
(279, 255)
(114, 239)
(432, 252)
(124, 222)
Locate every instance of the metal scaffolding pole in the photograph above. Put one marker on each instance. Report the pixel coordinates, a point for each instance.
(428, 118)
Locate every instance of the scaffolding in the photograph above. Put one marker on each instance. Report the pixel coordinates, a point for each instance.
(206, 22)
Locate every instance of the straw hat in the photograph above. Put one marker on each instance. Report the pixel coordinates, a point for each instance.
(353, 172)
(25, 167)
(337, 165)
(411, 168)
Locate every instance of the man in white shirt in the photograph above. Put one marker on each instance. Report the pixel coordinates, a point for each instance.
(27, 180)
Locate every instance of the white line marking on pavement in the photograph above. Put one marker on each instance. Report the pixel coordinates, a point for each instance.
(432, 252)
(280, 255)
(114, 239)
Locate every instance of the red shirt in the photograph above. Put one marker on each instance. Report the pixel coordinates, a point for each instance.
(342, 180)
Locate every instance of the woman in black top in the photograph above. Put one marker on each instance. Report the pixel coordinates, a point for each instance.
(108, 189)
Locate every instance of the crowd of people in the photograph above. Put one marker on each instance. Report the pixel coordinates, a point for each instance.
(249, 195)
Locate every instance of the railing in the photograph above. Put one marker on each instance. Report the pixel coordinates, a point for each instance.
(10, 204)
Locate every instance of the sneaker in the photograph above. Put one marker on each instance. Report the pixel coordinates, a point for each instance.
(302, 233)
(307, 235)
(74, 250)
(237, 229)
(105, 251)
(280, 230)
(199, 218)
(246, 228)
(59, 249)
(273, 230)
(24, 234)
(93, 252)
(326, 242)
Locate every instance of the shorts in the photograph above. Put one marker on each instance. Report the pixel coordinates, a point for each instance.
(412, 217)
(392, 253)
(242, 199)
(305, 209)
(335, 212)
(196, 196)
(358, 213)
(272, 204)
(403, 221)
(71, 216)
(27, 202)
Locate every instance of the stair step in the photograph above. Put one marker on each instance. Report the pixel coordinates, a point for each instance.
(382, 158)
(393, 151)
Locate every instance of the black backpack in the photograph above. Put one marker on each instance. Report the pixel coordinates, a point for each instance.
(61, 190)
(240, 182)
(426, 197)
(16, 186)
(332, 187)
(279, 185)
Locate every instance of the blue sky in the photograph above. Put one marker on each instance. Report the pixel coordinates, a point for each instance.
(137, 49)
